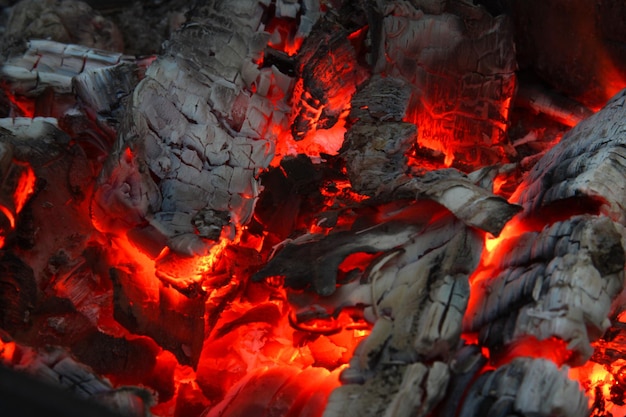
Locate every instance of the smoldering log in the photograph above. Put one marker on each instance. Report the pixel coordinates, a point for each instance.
(56, 367)
(375, 149)
(588, 164)
(418, 297)
(559, 282)
(183, 155)
(65, 21)
(460, 64)
(525, 387)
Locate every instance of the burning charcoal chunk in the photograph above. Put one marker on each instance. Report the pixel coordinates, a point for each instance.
(525, 387)
(474, 205)
(461, 69)
(198, 134)
(556, 283)
(328, 74)
(380, 99)
(66, 21)
(281, 391)
(17, 184)
(375, 154)
(587, 164)
(56, 367)
(397, 391)
(312, 261)
(174, 321)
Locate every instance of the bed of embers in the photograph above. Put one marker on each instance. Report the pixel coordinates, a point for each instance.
(307, 208)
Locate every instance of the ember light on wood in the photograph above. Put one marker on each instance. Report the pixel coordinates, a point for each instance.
(315, 208)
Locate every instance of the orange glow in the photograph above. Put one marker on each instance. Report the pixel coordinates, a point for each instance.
(7, 350)
(24, 106)
(315, 143)
(553, 348)
(25, 186)
(282, 36)
(598, 381)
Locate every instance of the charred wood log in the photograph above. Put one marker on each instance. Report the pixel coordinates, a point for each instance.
(525, 387)
(65, 21)
(399, 391)
(375, 150)
(556, 283)
(588, 164)
(197, 135)
(460, 64)
(56, 367)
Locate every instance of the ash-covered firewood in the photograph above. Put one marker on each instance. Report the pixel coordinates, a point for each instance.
(144, 25)
(375, 149)
(460, 65)
(328, 73)
(55, 366)
(415, 293)
(525, 387)
(588, 164)
(65, 21)
(311, 261)
(557, 283)
(398, 391)
(200, 128)
(53, 76)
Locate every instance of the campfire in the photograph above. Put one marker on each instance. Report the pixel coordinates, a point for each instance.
(313, 208)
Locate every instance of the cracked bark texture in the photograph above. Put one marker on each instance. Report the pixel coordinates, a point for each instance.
(55, 366)
(187, 159)
(460, 64)
(588, 163)
(559, 282)
(416, 298)
(525, 387)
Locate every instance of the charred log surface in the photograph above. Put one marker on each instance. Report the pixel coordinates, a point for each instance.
(328, 75)
(175, 322)
(56, 367)
(399, 391)
(417, 296)
(589, 162)
(196, 136)
(525, 387)
(461, 66)
(472, 204)
(144, 25)
(66, 21)
(556, 283)
(375, 149)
